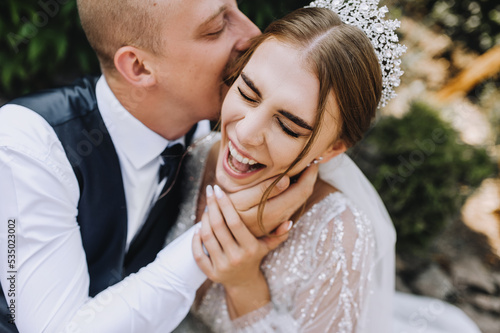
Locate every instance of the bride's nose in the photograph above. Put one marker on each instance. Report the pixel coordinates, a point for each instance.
(251, 130)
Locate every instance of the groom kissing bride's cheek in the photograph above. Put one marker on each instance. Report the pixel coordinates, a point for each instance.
(263, 226)
(93, 215)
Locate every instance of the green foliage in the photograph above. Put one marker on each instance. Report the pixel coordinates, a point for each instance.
(422, 171)
(263, 12)
(41, 44)
(476, 23)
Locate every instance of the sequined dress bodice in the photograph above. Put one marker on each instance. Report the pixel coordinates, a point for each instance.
(318, 278)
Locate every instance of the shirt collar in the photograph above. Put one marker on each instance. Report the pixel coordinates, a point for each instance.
(139, 144)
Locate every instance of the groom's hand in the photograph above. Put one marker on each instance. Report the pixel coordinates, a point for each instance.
(283, 202)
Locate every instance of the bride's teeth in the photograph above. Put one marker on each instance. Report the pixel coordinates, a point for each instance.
(238, 157)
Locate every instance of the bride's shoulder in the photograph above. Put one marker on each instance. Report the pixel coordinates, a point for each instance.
(333, 230)
(204, 144)
(328, 203)
(337, 218)
(336, 206)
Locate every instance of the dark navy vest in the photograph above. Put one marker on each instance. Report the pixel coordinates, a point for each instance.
(102, 213)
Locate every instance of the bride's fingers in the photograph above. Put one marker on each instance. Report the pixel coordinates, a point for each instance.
(218, 222)
(208, 238)
(246, 199)
(238, 229)
(202, 259)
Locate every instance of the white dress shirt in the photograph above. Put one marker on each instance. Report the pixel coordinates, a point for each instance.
(39, 190)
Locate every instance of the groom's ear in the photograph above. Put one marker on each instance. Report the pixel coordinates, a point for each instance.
(134, 66)
(336, 148)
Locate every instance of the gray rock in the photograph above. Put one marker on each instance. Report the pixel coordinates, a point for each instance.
(434, 282)
(469, 271)
(496, 278)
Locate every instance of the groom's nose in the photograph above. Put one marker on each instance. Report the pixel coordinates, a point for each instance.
(246, 30)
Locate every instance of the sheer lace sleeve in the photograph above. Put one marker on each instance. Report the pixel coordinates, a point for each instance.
(318, 278)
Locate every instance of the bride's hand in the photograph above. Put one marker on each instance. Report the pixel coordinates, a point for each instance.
(285, 199)
(234, 252)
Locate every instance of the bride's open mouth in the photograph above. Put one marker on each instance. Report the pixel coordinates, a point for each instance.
(238, 165)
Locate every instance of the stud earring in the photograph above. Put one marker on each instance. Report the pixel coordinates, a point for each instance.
(316, 161)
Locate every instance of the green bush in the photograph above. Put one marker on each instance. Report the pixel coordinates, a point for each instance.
(41, 44)
(263, 12)
(422, 171)
(476, 23)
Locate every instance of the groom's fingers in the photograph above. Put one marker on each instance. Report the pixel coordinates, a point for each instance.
(282, 207)
(249, 198)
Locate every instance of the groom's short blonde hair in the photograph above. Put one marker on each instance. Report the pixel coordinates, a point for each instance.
(111, 24)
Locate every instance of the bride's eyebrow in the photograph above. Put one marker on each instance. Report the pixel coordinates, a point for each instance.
(250, 84)
(297, 120)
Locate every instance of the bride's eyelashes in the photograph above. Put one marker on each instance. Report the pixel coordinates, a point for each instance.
(286, 129)
(246, 96)
(283, 126)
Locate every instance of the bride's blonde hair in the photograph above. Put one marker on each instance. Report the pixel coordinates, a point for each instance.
(343, 59)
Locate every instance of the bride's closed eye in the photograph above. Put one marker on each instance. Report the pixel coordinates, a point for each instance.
(246, 97)
(286, 129)
(280, 122)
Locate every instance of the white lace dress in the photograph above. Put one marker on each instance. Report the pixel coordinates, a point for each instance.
(318, 278)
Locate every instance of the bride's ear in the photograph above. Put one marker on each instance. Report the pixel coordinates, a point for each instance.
(336, 148)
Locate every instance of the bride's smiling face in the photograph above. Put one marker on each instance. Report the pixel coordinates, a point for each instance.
(268, 116)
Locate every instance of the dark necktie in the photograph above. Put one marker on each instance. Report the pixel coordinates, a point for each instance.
(151, 238)
(171, 158)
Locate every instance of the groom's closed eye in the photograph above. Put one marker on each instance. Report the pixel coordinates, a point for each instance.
(214, 25)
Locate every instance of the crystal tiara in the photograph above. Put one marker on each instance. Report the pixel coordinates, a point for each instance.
(366, 15)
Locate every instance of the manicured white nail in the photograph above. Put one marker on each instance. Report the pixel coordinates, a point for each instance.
(290, 225)
(218, 192)
(210, 191)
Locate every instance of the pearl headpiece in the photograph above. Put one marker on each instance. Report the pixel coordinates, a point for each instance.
(366, 15)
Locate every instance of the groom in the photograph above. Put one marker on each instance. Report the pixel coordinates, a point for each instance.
(81, 199)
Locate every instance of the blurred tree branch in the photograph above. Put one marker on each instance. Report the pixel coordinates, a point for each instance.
(485, 66)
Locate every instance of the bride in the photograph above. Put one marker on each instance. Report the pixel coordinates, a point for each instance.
(306, 91)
